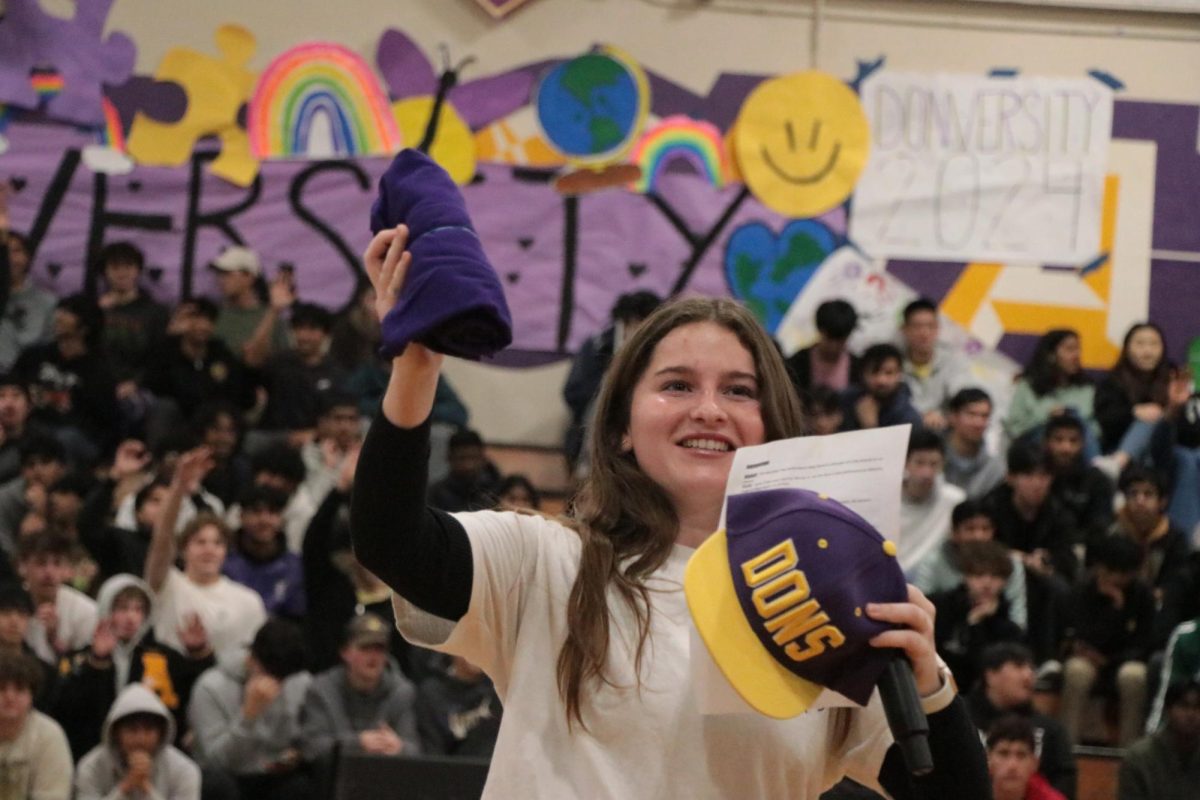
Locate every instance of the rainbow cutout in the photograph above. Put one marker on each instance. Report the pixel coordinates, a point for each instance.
(680, 137)
(46, 84)
(111, 134)
(320, 78)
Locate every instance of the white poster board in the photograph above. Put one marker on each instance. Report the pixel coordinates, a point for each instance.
(970, 168)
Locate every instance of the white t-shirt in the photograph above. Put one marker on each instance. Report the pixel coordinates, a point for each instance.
(76, 625)
(37, 764)
(924, 526)
(650, 742)
(231, 613)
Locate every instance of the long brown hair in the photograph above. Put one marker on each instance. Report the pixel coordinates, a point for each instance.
(626, 522)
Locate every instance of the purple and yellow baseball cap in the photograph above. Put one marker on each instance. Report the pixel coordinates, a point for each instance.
(779, 598)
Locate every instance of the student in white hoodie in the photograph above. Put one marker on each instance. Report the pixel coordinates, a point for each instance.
(136, 759)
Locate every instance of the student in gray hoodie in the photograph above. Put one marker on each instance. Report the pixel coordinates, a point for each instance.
(245, 715)
(365, 705)
(136, 758)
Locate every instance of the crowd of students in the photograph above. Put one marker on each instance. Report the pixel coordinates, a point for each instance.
(180, 606)
(181, 611)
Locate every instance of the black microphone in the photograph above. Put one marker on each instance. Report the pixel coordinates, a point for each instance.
(906, 718)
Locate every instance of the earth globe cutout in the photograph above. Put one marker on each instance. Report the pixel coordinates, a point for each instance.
(592, 108)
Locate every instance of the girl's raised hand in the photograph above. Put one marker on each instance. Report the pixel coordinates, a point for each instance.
(386, 262)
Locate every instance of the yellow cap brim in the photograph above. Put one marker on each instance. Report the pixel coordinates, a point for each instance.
(753, 672)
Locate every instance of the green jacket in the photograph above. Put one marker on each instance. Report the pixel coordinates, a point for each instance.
(1181, 662)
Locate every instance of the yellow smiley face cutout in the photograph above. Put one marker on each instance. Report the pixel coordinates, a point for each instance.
(800, 142)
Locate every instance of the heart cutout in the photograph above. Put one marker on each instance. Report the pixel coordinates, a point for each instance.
(55, 269)
(135, 186)
(525, 242)
(513, 277)
(155, 274)
(17, 183)
(637, 270)
(768, 270)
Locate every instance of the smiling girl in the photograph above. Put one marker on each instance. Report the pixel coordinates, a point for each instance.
(581, 622)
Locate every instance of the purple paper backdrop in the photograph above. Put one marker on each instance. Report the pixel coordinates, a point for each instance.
(313, 215)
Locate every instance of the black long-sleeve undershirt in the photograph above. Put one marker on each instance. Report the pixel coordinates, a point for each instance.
(425, 556)
(422, 553)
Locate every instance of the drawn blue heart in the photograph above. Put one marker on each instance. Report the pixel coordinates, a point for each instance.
(766, 271)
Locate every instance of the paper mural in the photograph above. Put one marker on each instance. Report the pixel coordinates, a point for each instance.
(801, 142)
(648, 186)
(989, 168)
(323, 100)
(215, 90)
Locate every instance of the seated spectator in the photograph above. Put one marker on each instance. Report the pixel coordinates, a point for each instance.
(15, 425)
(1131, 400)
(592, 360)
(975, 614)
(218, 427)
(823, 407)
(28, 315)
(64, 618)
(926, 501)
(245, 715)
(43, 462)
(230, 612)
(116, 549)
(137, 758)
(355, 336)
(1006, 687)
(16, 609)
(260, 558)
(1166, 765)
(295, 380)
(281, 467)
(35, 761)
(517, 492)
(1013, 763)
(1029, 519)
(828, 362)
(458, 711)
(64, 501)
(1053, 382)
(193, 368)
(941, 570)
(882, 398)
(339, 433)
(134, 324)
(365, 705)
(1143, 519)
(71, 382)
(250, 326)
(1176, 447)
(471, 483)
(969, 465)
(1080, 488)
(934, 373)
(123, 651)
(1181, 664)
(1114, 622)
